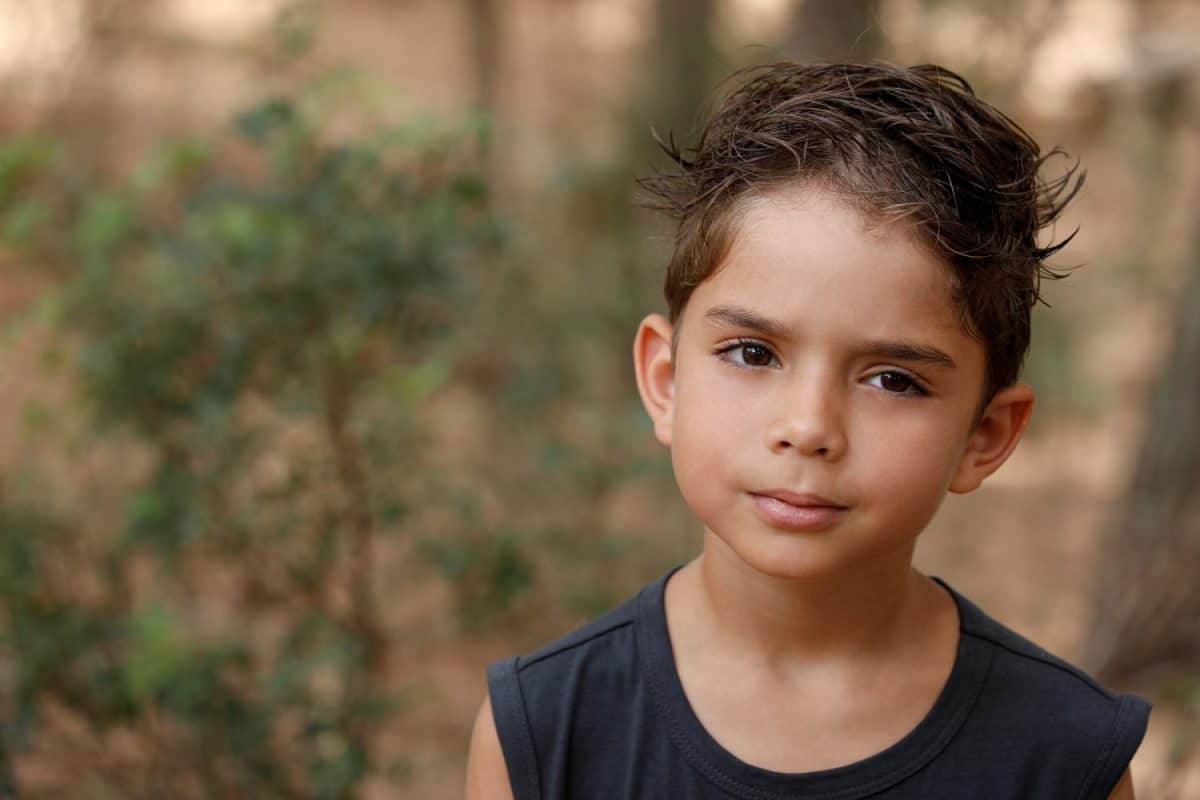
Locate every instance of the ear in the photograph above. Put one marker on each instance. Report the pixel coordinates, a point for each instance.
(994, 437)
(655, 373)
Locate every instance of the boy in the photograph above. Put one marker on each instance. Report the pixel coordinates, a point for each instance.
(850, 301)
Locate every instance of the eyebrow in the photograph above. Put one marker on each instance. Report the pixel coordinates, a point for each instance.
(739, 317)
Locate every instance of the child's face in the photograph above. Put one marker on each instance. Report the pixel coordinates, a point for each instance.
(783, 381)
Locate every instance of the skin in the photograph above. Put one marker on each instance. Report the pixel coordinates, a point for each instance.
(487, 774)
(774, 386)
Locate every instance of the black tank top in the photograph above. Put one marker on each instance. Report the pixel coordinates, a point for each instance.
(601, 713)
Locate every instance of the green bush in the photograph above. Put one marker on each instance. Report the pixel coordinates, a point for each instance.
(251, 320)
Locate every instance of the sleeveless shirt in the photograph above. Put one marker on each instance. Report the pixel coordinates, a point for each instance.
(601, 713)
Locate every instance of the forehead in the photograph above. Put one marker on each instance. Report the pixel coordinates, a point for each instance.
(804, 257)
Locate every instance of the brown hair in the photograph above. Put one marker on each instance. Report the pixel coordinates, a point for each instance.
(899, 142)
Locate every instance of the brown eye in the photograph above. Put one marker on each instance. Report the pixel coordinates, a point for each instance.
(747, 355)
(898, 383)
(756, 355)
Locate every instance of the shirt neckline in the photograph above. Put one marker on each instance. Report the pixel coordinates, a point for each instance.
(858, 779)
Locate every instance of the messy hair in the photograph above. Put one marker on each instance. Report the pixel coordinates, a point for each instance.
(896, 142)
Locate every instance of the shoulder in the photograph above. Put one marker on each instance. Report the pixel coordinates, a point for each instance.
(1031, 676)
(592, 636)
(606, 642)
(585, 680)
(487, 774)
(1047, 705)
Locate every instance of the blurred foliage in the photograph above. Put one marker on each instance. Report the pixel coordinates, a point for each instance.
(292, 353)
(253, 321)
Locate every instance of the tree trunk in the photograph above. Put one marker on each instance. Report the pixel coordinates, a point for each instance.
(684, 59)
(1147, 603)
(483, 19)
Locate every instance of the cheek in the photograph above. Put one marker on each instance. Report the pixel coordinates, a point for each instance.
(706, 479)
(913, 460)
(711, 435)
(702, 445)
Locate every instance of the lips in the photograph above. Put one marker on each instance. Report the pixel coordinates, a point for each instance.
(791, 511)
(800, 500)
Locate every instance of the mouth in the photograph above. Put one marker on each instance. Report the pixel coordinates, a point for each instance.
(799, 500)
(796, 512)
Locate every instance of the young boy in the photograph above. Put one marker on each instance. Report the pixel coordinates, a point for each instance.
(850, 301)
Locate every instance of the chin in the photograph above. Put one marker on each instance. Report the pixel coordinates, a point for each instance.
(789, 556)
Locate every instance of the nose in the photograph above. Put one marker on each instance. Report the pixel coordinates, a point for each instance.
(809, 419)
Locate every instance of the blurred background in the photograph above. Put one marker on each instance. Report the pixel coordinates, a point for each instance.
(315, 380)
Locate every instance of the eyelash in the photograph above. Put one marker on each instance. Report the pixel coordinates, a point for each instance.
(918, 390)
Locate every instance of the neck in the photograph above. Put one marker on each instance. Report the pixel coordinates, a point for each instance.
(792, 621)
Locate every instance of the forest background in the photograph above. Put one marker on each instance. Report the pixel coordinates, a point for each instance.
(315, 381)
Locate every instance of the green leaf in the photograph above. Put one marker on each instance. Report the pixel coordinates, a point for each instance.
(158, 652)
(103, 222)
(170, 164)
(266, 119)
